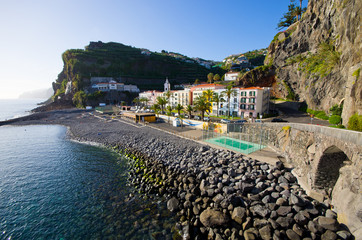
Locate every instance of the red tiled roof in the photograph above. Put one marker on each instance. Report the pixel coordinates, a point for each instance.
(250, 88)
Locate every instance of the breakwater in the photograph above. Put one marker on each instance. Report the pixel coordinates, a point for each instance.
(216, 194)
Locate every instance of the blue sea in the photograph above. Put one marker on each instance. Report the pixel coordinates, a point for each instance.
(12, 108)
(54, 188)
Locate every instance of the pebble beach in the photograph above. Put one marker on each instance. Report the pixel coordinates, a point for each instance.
(215, 193)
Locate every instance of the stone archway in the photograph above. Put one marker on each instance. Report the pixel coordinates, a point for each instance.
(327, 171)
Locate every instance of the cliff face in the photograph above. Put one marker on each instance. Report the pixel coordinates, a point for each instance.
(328, 30)
(147, 70)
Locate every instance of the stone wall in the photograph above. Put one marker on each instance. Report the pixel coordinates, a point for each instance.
(327, 162)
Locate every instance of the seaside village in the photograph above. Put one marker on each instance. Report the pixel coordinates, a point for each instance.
(222, 101)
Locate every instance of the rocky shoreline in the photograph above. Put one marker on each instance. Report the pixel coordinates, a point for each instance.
(217, 194)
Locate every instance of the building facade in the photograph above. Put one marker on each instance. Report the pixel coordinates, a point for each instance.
(254, 101)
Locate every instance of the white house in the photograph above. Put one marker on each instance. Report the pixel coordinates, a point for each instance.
(231, 76)
(112, 85)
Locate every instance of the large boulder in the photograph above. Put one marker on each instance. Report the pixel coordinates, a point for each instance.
(212, 218)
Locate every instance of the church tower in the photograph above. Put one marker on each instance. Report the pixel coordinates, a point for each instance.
(167, 85)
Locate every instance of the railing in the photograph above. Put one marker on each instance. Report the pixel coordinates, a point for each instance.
(236, 138)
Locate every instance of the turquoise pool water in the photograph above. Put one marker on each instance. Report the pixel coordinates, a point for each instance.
(236, 144)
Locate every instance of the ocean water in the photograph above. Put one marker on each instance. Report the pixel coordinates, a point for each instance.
(54, 188)
(12, 108)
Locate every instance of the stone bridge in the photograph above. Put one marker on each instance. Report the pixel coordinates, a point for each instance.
(327, 162)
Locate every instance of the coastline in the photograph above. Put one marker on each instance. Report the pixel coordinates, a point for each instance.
(215, 193)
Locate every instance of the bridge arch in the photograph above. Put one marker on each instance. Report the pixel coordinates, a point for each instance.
(327, 171)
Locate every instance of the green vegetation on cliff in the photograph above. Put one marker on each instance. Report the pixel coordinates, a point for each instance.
(116, 60)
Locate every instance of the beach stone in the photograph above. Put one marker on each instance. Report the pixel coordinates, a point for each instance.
(344, 234)
(313, 227)
(284, 210)
(266, 232)
(298, 230)
(284, 221)
(211, 218)
(329, 235)
(296, 200)
(260, 210)
(238, 214)
(292, 235)
(281, 201)
(300, 218)
(328, 223)
(259, 223)
(331, 214)
(172, 204)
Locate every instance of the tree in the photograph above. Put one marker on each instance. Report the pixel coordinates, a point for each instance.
(137, 101)
(168, 97)
(217, 77)
(217, 98)
(197, 81)
(288, 17)
(210, 77)
(202, 105)
(161, 101)
(189, 109)
(229, 92)
(144, 101)
(156, 108)
(79, 99)
(208, 94)
(293, 15)
(179, 108)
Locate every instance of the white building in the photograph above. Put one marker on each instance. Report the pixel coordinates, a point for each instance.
(227, 107)
(198, 90)
(231, 76)
(112, 85)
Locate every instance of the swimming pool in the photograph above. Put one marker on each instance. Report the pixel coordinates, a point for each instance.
(236, 144)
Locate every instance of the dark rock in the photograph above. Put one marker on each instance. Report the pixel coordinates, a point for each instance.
(239, 214)
(292, 235)
(298, 230)
(260, 210)
(314, 227)
(259, 223)
(328, 223)
(296, 200)
(265, 232)
(172, 204)
(284, 210)
(300, 218)
(284, 222)
(345, 235)
(211, 218)
(329, 235)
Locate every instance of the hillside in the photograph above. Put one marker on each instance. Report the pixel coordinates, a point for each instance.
(142, 67)
(318, 59)
(255, 57)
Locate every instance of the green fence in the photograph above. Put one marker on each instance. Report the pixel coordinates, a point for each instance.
(237, 139)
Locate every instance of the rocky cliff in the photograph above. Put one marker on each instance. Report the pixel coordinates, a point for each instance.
(319, 58)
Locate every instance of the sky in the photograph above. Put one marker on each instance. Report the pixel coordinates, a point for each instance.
(34, 34)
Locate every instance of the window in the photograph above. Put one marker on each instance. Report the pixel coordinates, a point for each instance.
(235, 100)
(251, 107)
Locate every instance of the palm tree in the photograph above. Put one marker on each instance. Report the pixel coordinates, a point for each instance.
(189, 109)
(208, 94)
(218, 98)
(168, 96)
(156, 109)
(169, 112)
(179, 108)
(161, 101)
(137, 101)
(229, 92)
(144, 101)
(202, 105)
